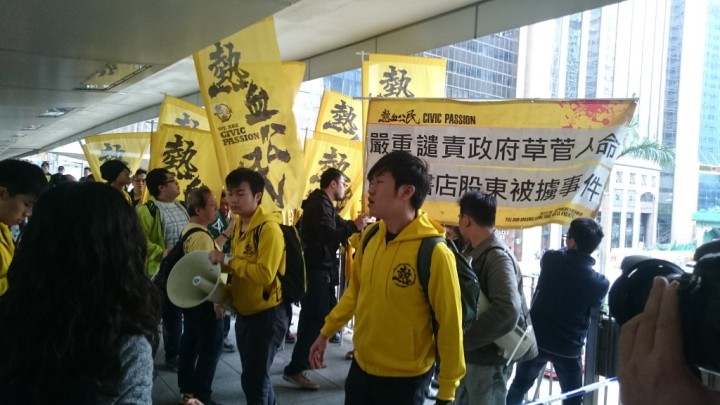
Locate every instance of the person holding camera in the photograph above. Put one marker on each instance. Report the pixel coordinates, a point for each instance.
(568, 290)
(652, 367)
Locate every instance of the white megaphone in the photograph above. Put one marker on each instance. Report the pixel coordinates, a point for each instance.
(194, 280)
(514, 344)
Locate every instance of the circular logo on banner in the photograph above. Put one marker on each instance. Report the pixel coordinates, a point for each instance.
(222, 111)
(404, 275)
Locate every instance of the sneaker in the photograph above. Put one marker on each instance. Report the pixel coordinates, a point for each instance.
(290, 338)
(335, 338)
(301, 380)
(227, 346)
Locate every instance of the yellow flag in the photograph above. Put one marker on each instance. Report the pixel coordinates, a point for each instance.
(175, 111)
(189, 155)
(397, 76)
(294, 73)
(325, 151)
(128, 147)
(340, 115)
(545, 161)
(403, 76)
(250, 110)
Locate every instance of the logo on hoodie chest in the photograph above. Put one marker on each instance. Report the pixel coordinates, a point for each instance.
(249, 250)
(404, 275)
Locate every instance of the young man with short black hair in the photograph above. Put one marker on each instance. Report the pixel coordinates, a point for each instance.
(501, 282)
(117, 174)
(568, 289)
(261, 322)
(20, 185)
(395, 349)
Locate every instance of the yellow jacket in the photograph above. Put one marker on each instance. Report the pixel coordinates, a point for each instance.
(393, 332)
(7, 249)
(255, 284)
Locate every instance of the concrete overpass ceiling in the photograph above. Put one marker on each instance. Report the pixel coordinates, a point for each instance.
(47, 49)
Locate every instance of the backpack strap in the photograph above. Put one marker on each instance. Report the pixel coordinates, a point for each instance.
(423, 268)
(184, 237)
(525, 318)
(152, 208)
(374, 228)
(256, 235)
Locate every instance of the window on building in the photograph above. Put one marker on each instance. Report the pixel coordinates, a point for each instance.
(618, 177)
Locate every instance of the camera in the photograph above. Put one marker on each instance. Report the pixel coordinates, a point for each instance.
(699, 296)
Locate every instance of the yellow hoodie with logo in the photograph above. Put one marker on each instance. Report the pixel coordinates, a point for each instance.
(255, 284)
(393, 335)
(7, 249)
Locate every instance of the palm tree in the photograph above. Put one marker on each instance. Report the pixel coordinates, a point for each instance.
(645, 149)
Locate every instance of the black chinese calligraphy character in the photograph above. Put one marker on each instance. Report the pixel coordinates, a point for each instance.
(187, 121)
(534, 148)
(394, 84)
(379, 142)
(570, 185)
(401, 142)
(112, 152)
(588, 147)
(480, 148)
(177, 157)
(608, 146)
(446, 185)
(562, 149)
(496, 187)
(226, 69)
(592, 186)
(454, 146)
(427, 146)
(547, 190)
(343, 120)
(193, 185)
(256, 101)
(507, 149)
(521, 191)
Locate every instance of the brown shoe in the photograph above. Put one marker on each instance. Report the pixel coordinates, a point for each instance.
(301, 380)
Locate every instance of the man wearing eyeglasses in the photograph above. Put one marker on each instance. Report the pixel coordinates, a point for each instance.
(138, 190)
(322, 231)
(163, 219)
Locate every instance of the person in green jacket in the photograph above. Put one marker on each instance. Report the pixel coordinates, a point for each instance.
(163, 219)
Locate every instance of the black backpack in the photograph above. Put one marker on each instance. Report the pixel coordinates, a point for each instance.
(168, 262)
(468, 280)
(294, 282)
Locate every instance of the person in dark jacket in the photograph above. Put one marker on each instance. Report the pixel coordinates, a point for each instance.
(567, 291)
(322, 231)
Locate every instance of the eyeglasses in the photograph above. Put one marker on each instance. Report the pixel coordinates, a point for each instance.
(173, 180)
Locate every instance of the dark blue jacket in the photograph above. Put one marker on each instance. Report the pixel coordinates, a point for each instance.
(568, 288)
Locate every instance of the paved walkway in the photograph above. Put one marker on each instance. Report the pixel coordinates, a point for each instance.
(227, 389)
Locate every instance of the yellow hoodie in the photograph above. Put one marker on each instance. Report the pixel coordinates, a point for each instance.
(393, 332)
(7, 249)
(255, 286)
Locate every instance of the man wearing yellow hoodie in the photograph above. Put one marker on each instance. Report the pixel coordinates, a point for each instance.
(393, 339)
(262, 320)
(20, 185)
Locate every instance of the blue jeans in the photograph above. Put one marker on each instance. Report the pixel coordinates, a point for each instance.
(258, 337)
(569, 373)
(199, 351)
(483, 384)
(362, 388)
(314, 308)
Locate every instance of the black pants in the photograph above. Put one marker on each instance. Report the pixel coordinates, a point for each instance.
(199, 351)
(314, 308)
(172, 329)
(258, 337)
(362, 388)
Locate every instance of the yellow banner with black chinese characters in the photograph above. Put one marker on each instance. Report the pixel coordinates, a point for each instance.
(544, 160)
(175, 111)
(398, 76)
(294, 72)
(339, 115)
(325, 151)
(250, 110)
(188, 154)
(128, 147)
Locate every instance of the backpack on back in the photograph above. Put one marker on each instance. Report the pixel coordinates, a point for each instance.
(468, 280)
(168, 262)
(294, 282)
